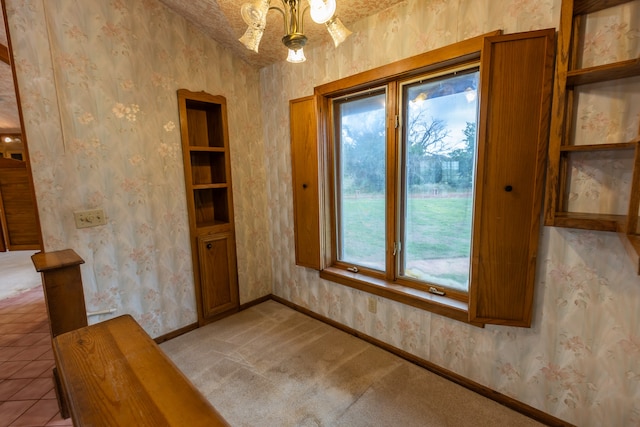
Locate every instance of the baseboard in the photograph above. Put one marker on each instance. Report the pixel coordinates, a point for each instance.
(176, 333)
(191, 327)
(500, 398)
(255, 302)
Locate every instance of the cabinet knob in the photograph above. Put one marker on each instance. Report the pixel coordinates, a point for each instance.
(209, 245)
(508, 188)
(304, 185)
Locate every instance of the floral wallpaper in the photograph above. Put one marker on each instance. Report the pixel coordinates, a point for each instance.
(97, 83)
(580, 361)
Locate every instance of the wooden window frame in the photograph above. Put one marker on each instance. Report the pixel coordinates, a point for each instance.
(464, 309)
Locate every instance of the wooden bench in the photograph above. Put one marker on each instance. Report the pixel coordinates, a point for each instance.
(113, 374)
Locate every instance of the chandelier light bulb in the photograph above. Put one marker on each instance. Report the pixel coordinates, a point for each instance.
(296, 56)
(322, 10)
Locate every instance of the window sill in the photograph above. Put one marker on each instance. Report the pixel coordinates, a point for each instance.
(441, 305)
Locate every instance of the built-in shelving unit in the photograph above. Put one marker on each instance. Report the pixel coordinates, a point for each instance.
(207, 170)
(570, 77)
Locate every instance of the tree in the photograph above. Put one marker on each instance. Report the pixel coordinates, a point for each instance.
(425, 141)
(466, 157)
(363, 160)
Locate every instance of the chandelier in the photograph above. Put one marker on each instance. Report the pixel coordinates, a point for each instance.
(321, 11)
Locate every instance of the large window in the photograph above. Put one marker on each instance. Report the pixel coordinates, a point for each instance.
(420, 181)
(432, 191)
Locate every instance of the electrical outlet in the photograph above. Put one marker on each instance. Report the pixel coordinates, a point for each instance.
(373, 305)
(90, 218)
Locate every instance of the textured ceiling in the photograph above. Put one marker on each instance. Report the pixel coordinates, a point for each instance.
(221, 20)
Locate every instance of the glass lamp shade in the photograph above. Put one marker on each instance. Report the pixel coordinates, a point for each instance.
(338, 31)
(251, 38)
(255, 14)
(322, 10)
(296, 56)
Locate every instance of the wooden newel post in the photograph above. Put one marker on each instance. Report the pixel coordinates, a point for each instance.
(63, 292)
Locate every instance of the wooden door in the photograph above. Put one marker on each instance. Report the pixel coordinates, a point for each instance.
(218, 274)
(18, 215)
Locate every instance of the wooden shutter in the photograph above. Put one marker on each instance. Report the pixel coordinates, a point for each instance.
(304, 159)
(516, 80)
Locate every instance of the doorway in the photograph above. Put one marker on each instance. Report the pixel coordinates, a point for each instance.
(19, 221)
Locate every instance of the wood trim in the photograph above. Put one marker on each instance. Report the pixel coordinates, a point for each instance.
(461, 52)
(634, 196)
(558, 113)
(443, 306)
(254, 302)
(193, 326)
(589, 6)
(176, 333)
(4, 54)
(482, 390)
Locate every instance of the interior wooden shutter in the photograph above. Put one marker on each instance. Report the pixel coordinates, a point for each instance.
(304, 159)
(516, 81)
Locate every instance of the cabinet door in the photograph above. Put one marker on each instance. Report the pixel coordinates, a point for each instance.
(516, 76)
(218, 277)
(304, 162)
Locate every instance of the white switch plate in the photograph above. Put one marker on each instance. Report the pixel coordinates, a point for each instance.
(90, 218)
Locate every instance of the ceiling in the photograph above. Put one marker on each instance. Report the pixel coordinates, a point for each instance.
(221, 20)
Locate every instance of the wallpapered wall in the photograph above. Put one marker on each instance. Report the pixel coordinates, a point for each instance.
(98, 85)
(581, 359)
(103, 132)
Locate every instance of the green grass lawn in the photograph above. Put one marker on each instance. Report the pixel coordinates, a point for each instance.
(438, 227)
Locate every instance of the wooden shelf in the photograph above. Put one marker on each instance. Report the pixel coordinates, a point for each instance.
(207, 171)
(590, 221)
(209, 186)
(581, 7)
(205, 226)
(200, 149)
(603, 73)
(571, 38)
(602, 147)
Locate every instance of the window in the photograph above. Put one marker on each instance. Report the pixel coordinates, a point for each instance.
(427, 182)
(432, 235)
(361, 179)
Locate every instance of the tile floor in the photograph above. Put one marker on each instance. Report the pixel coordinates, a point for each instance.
(27, 397)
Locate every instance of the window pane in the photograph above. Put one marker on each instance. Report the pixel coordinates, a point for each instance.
(438, 175)
(361, 139)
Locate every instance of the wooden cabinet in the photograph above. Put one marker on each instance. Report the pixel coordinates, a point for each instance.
(565, 150)
(207, 169)
(216, 254)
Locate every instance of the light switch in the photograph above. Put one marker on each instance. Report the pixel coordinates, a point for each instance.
(89, 218)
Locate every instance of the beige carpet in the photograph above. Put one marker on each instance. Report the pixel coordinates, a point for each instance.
(272, 366)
